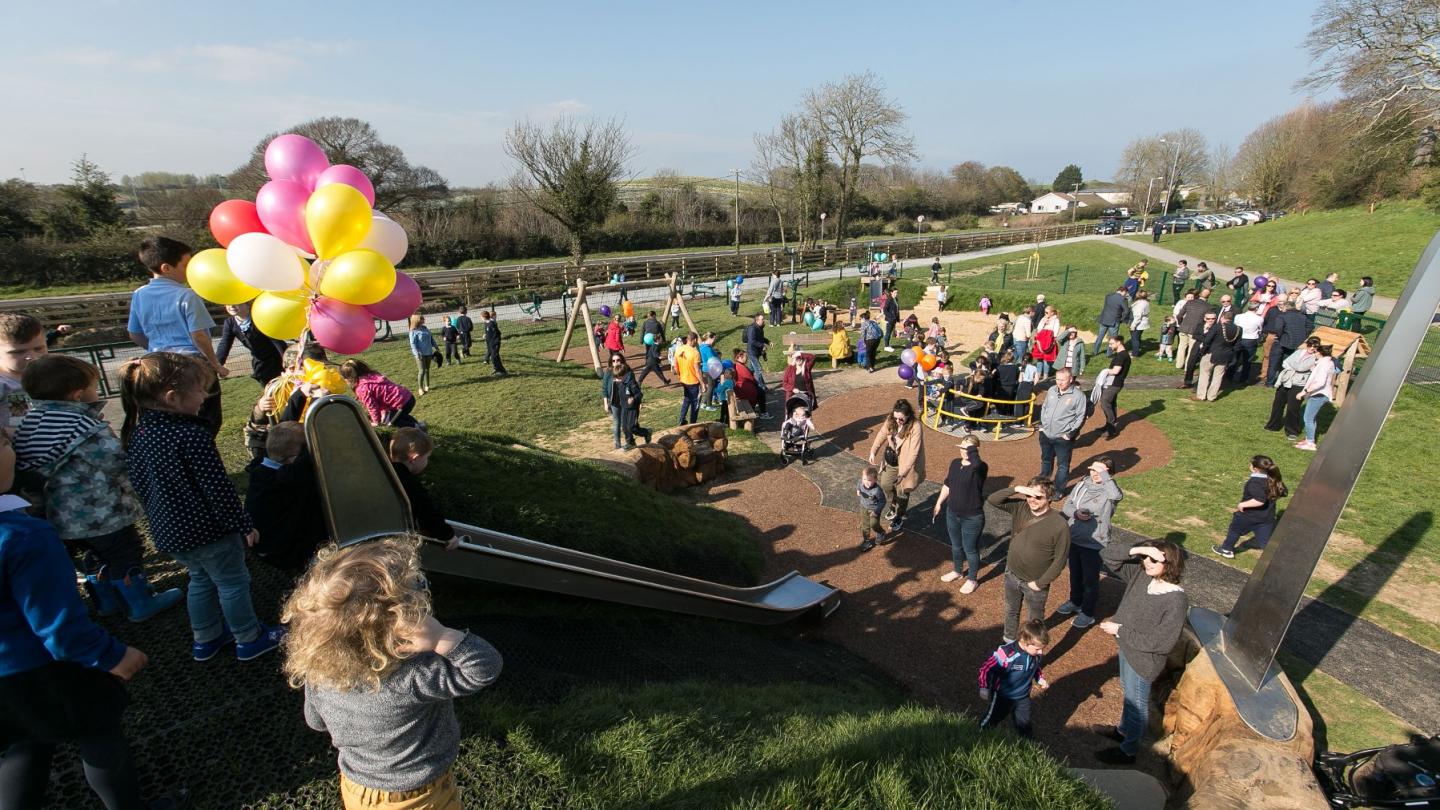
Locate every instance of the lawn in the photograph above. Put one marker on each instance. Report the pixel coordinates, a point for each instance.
(1349, 241)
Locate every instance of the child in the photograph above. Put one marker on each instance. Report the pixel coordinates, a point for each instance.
(872, 503)
(194, 514)
(1168, 331)
(942, 296)
(794, 435)
(853, 310)
(675, 314)
(839, 345)
(1255, 514)
(388, 402)
(933, 332)
(88, 497)
(281, 500)
(942, 340)
(380, 673)
(723, 389)
(707, 382)
(21, 340)
(984, 305)
(410, 451)
(422, 346)
(451, 336)
(1006, 675)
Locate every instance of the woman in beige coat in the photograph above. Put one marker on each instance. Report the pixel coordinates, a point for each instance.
(899, 450)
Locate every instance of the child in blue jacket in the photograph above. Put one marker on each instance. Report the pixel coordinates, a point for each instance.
(1006, 676)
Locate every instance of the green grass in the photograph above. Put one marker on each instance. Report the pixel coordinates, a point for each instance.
(1345, 720)
(1350, 241)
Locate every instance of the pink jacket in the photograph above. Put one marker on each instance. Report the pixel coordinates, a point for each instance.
(380, 395)
(613, 340)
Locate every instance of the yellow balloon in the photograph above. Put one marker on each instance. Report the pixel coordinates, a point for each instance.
(209, 275)
(338, 219)
(358, 277)
(281, 315)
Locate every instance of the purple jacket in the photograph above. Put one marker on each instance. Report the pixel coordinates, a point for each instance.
(380, 394)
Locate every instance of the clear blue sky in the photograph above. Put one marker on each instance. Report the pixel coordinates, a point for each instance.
(190, 87)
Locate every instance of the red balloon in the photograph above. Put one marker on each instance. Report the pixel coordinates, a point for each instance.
(232, 218)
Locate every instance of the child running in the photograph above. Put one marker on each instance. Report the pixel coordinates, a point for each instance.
(1255, 514)
(422, 346)
(194, 514)
(1006, 676)
(388, 402)
(381, 673)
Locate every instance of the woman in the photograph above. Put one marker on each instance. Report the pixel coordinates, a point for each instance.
(1089, 509)
(1319, 390)
(870, 336)
(963, 490)
(746, 387)
(799, 379)
(1139, 321)
(839, 343)
(1285, 409)
(1267, 297)
(1045, 347)
(900, 448)
(1146, 626)
(1072, 352)
(620, 397)
(1255, 514)
(1362, 298)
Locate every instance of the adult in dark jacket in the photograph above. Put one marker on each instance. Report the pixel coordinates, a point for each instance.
(620, 397)
(964, 494)
(466, 328)
(492, 342)
(1199, 347)
(1294, 328)
(1039, 549)
(891, 310)
(1147, 626)
(756, 345)
(1115, 311)
(1191, 321)
(1219, 350)
(265, 351)
(1270, 330)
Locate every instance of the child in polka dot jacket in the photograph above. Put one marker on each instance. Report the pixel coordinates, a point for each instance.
(194, 513)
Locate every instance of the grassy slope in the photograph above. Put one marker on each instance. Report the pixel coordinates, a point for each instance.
(1350, 241)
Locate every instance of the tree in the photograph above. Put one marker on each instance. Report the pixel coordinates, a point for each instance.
(1145, 159)
(92, 196)
(354, 142)
(857, 121)
(1004, 184)
(19, 210)
(1068, 178)
(570, 171)
(1384, 53)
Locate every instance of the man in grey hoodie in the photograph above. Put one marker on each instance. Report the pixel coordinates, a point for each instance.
(1061, 416)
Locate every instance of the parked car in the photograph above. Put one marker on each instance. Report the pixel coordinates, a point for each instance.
(1108, 227)
(1180, 225)
(1251, 216)
(1130, 226)
(1234, 220)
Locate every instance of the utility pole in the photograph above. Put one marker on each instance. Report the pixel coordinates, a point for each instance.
(1149, 187)
(1074, 203)
(1174, 167)
(736, 172)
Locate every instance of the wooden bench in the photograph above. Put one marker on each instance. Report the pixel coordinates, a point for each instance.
(697, 289)
(813, 342)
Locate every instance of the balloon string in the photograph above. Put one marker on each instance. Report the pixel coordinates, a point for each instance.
(317, 272)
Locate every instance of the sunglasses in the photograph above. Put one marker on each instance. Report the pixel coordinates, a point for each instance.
(1034, 497)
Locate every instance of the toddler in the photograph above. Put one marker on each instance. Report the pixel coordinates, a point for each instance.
(723, 389)
(872, 503)
(281, 499)
(794, 432)
(933, 333)
(410, 451)
(985, 305)
(381, 673)
(193, 511)
(1168, 332)
(1006, 676)
(388, 402)
(21, 340)
(853, 309)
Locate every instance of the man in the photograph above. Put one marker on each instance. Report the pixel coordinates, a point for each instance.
(1226, 306)
(1203, 277)
(1039, 549)
(466, 328)
(1179, 277)
(1294, 328)
(755, 345)
(891, 310)
(1250, 324)
(1020, 333)
(1061, 417)
(492, 343)
(1199, 348)
(1119, 370)
(265, 352)
(1191, 322)
(1270, 329)
(1239, 283)
(1219, 352)
(1113, 312)
(1155, 230)
(775, 294)
(1328, 286)
(1037, 311)
(935, 271)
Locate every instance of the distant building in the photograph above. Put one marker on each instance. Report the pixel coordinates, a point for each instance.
(1057, 201)
(1008, 208)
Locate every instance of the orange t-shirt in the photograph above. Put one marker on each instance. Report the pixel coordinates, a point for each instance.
(687, 365)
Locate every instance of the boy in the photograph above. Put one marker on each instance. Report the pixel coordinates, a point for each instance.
(410, 451)
(88, 497)
(21, 341)
(281, 500)
(1006, 675)
(167, 316)
(872, 503)
(492, 343)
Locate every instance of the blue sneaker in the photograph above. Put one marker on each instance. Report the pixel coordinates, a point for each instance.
(205, 650)
(268, 640)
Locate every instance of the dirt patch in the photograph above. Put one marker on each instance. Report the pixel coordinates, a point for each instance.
(1408, 590)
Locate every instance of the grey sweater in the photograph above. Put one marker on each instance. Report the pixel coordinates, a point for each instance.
(1100, 499)
(1150, 622)
(405, 735)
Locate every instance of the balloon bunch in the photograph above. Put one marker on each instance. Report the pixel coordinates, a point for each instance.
(913, 362)
(308, 210)
(815, 322)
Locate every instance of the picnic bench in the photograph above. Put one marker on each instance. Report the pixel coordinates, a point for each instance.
(697, 289)
(813, 342)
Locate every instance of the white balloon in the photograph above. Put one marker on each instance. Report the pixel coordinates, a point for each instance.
(263, 261)
(387, 238)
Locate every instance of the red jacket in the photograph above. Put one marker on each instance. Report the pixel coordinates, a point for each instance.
(614, 337)
(1044, 346)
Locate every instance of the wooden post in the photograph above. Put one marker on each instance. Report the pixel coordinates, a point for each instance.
(677, 297)
(581, 310)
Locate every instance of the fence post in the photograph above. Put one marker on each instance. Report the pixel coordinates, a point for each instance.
(1003, 267)
(1164, 285)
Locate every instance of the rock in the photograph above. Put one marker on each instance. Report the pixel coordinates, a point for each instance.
(681, 457)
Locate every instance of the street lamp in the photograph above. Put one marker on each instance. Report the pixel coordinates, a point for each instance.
(1148, 188)
(919, 224)
(822, 225)
(1174, 167)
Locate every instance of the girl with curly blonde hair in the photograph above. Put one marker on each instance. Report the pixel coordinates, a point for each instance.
(380, 673)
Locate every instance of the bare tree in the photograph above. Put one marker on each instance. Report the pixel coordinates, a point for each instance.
(1269, 160)
(857, 121)
(571, 171)
(768, 168)
(1384, 53)
(1156, 156)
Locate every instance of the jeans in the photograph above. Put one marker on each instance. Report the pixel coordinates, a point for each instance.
(1312, 410)
(1242, 523)
(1108, 394)
(219, 590)
(1021, 346)
(965, 541)
(1001, 707)
(1106, 329)
(1055, 455)
(1045, 367)
(889, 331)
(1084, 578)
(422, 369)
(761, 403)
(1136, 714)
(1017, 592)
(777, 311)
(622, 421)
(690, 404)
(1135, 335)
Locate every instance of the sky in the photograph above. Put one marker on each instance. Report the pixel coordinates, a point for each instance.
(191, 87)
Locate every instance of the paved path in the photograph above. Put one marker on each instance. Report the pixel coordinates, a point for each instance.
(1394, 672)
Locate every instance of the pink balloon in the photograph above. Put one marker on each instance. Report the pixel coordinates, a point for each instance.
(400, 303)
(350, 176)
(297, 158)
(340, 327)
(281, 205)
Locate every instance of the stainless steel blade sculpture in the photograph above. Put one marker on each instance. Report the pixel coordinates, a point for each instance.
(1244, 646)
(362, 496)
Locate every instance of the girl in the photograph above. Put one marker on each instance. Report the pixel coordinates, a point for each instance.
(900, 446)
(1045, 348)
(388, 402)
(934, 331)
(1255, 514)
(1319, 389)
(194, 514)
(620, 396)
(1168, 331)
(984, 305)
(422, 346)
(451, 336)
(614, 339)
(852, 309)
(380, 673)
(1089, 510)
(839, 344)
(943, 340)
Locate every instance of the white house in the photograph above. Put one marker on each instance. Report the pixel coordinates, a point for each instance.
(1114, 196)
(1060, 201)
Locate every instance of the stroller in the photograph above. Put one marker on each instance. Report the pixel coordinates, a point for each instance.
(1406, 775)
(795, 440)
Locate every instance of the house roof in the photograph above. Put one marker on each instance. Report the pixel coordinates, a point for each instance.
(1085, 198)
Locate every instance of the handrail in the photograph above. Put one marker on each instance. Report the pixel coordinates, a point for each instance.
(938, 411)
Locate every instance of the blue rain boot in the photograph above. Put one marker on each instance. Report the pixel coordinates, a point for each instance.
(141, 601)
(103, 593)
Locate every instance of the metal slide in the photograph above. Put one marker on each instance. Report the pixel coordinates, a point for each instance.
(363, 500)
